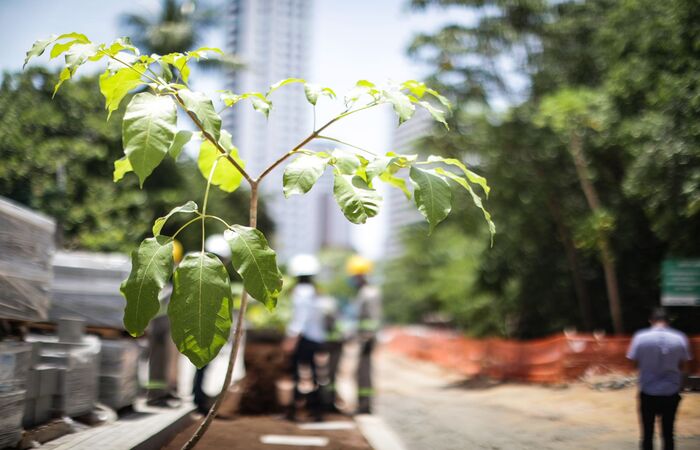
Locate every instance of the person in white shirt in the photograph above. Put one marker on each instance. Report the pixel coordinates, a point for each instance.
(306, 334)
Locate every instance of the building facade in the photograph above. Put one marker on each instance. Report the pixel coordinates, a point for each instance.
(273, 39)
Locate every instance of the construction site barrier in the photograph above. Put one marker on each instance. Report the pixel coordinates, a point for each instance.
(554, 359)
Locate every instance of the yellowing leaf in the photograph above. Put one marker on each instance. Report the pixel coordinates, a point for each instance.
(225, 176)
(115, 86)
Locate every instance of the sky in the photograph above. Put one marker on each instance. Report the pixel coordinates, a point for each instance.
(352, 40)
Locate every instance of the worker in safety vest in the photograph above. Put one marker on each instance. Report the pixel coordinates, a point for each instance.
(306, 334)
(368, 302)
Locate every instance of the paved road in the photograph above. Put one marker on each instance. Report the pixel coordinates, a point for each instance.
(431, 409)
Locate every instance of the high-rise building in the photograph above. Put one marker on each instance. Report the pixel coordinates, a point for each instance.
(272, 38)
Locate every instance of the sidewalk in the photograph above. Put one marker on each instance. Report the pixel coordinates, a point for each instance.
(433, 408)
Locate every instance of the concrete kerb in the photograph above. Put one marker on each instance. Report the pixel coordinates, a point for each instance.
(379, 435)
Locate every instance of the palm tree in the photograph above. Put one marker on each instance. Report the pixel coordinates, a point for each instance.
(172, 29)
(176, 28)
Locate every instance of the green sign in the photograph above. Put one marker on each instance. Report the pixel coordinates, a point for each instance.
(680, 282)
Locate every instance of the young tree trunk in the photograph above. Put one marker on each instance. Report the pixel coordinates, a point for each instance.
(606, 255)
(236, 341)
(584, 301)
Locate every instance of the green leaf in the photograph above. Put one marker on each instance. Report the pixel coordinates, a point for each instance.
(417, 88)
(38, 48)
(397, 182)
(475, 198)
(121, 44)
(471, 176)
(301, 174)
(115, 86)
(148, 131)
(432, 195)
(402, 104)
(63, 76)
(281, 83)
(78, 55)
(256, 263)
(260, 103)
(362, 87)
(61, 48)
(226, 176)
(313, 91)
(188, 208)
(201, 52)
(151, 266)
(437, 114)
(377, 166)
(202, 107)
(355, 198)
(179, 61)
(347, 163)
(181, 139)
(200, 307)
(122, 166)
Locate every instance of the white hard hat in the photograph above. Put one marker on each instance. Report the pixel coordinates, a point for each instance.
(217, 245)
(301, 265)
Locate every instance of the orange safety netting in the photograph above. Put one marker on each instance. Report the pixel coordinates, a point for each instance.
(553, 359)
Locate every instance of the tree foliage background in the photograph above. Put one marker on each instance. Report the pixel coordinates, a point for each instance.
(57, 157)
(633, 65)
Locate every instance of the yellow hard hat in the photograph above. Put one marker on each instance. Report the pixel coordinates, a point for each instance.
(358, 265)
(177, 251)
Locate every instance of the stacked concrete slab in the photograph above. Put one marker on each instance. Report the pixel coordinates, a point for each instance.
(86, 286)
(14, 363)
(26, 249)
(67, 373)
(119, 372)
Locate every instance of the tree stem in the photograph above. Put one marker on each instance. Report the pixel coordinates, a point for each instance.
(606, 255)
(236, 340)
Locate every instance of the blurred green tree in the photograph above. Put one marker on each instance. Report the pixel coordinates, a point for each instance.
(642, 154)
(57, 158)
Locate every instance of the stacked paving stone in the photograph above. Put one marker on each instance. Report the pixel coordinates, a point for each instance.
(26, 249)
(119, 372)
(86, 286)
(72, 362)
(14, 363)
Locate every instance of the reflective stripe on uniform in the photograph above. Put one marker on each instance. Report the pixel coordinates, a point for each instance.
(365, 392)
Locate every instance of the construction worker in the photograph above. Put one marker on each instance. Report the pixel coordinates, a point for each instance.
(163, 355)
(306, 333)
(332, 352)
(368, 302)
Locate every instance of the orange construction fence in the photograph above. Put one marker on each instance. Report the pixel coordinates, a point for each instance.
(562, 357)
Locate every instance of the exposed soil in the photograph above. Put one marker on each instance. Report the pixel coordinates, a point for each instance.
(244, 434)
(265, 363)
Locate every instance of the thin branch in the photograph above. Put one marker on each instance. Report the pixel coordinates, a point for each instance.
(310, 138)
(211, 139)
(236, 341)
(328, 138)
(208, 216)
(130, 66)
(186, 225)
(206, 196)
(194, 118)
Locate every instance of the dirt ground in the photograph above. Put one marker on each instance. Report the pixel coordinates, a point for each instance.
(431, 408)
(244, 434)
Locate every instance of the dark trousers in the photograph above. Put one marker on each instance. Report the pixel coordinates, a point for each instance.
(651, 406)
(364, 376)
(304, 357)
(201, 399)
